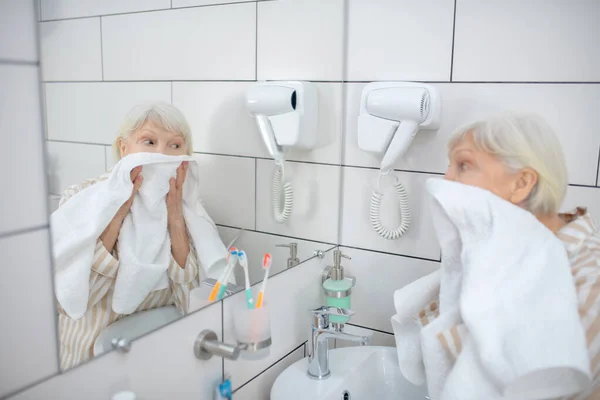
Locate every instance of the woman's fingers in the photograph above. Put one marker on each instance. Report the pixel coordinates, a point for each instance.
(172, 186)
(137, 183)
(135, 173)
(181, 171)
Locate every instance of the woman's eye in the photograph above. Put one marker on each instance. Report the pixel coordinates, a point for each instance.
(176, 146)
(148, 142)
(463, 166)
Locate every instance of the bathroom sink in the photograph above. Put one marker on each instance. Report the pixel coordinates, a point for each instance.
(134, 326)
(357, 373)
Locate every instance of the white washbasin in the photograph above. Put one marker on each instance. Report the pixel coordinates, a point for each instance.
(364, 373)
(134, 326)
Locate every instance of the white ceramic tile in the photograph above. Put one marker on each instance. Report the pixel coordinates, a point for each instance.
(58, 9)
(71, 50)
(289, 296)
(17, 30)
(72, 163)
(400, 40)
(143, 369)
(260, 387)
(578, 196)
(358, 185)
(111, 159)
(191, 3)
(377, 338)
(316, 201)
(535, 40)
(466, 103)
(255, 244)
(93, 112)
(204, 43)
(227, 189)
(28, 342)
(378, 275)
(301, 40)
(23, 203)
(221, 123)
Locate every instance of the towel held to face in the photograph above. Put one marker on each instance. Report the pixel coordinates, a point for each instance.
(144, 245)
(505, 314)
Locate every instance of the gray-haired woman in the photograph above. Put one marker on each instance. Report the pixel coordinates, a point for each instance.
(519, 158)
(159, 128)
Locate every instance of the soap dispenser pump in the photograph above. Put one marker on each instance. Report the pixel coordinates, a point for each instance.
(337, 287)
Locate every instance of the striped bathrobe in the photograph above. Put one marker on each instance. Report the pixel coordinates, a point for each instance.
(77, 337)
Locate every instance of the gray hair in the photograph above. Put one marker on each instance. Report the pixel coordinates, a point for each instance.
(164, 114)
(524, 141)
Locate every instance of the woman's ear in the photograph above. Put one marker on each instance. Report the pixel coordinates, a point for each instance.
(525, 181)
(121, 142)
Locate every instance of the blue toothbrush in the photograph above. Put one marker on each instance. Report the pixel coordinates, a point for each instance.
(243, 260)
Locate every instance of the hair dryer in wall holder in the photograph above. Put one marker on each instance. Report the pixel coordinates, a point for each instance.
(391, 114)
(286, 114)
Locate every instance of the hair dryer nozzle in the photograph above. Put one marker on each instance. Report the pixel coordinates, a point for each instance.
(399, 144)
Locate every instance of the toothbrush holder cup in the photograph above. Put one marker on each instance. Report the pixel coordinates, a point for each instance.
(252, 329)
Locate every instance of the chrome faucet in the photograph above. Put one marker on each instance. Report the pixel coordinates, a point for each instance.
(318, 343)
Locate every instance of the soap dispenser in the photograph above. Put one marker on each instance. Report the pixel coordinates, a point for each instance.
(337, 287)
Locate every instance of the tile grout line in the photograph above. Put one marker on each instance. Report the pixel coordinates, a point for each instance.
(255, 190)
(315, 81)
(390, 254)
(6, 61)
(453, 36)
(23, 231)
(101, 51)
(270, 366)
(256, 43)
(598, 169)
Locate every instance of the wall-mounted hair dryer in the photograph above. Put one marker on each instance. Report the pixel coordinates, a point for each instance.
(286, 115)
(391, 114)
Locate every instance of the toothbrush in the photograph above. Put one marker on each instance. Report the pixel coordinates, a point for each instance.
(266, 264)
(226, 274)
(232, 259)
(244, 263)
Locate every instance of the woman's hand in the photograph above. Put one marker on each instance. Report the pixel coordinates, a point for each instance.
(180, 242)
(111, 233)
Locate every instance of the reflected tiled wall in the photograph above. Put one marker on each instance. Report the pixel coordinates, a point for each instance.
(484, 57)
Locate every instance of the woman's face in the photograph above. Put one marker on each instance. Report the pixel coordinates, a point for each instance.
(474, 167)
(151, 138)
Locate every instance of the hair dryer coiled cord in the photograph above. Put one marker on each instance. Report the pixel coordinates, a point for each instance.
(279, 197)
(375, 212)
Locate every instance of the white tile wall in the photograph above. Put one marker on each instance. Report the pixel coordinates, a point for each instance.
(578, 196)
(72, 163)
(400, 40)
(28, 342)
(260, 387)
(382, 274)
(206, 43)
(289, 296)
(534, 40)
(300, 40)
(110, 157)
(255, 244)
(466, 103)
(316, 200)
(58, 9)
(227, 189)
(151, 374)
(191, 3)
(71, 50)
(221, 123)
(358, 185)
(17, 22)
(93, 112)
(21, 156)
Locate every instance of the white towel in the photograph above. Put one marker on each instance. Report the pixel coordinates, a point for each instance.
(505, 278)
(144, 244)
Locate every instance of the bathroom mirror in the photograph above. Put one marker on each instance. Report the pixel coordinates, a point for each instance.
(181, 66)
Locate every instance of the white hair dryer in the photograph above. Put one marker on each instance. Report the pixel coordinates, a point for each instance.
(286, 115)
(391, 114)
